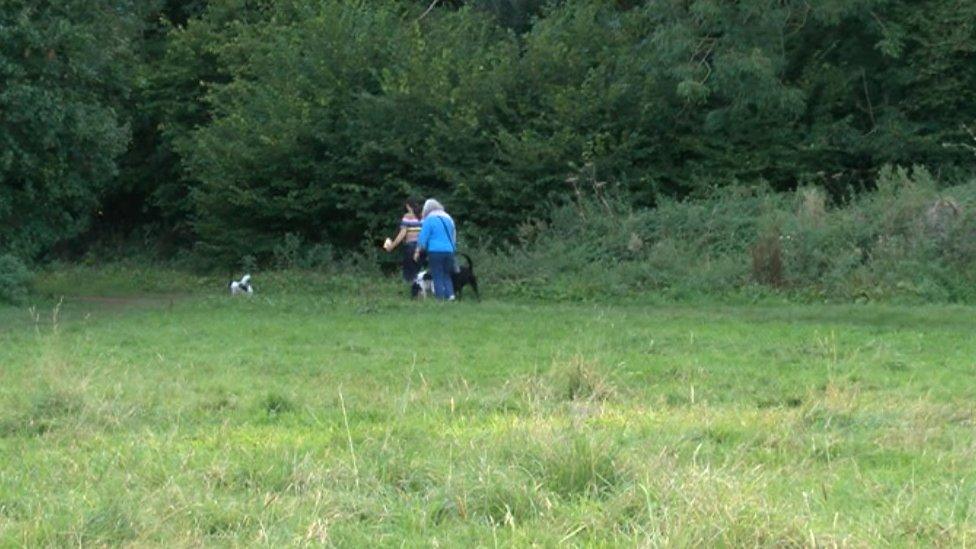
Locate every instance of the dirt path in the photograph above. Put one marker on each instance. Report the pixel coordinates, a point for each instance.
(74, 308)
(125, 302)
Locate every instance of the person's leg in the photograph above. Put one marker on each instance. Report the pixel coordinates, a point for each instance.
(410, 267)
(449, 266)
(436, 263)
(439, 264)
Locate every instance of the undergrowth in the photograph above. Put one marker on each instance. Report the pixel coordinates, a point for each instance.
(908, 240)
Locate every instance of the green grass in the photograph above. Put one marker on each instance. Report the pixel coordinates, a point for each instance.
(365, 419)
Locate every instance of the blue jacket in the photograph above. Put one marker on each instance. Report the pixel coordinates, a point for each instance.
(437, 233)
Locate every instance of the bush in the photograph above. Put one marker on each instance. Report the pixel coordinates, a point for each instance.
(15, 280)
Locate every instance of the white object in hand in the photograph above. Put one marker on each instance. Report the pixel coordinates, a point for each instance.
(388, 244)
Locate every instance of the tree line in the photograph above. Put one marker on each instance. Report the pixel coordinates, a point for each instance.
(219, 127)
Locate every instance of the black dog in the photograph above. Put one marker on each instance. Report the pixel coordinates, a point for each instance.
(461, 277)
(464, 276)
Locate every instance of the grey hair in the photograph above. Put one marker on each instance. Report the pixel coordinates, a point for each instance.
(431, 206)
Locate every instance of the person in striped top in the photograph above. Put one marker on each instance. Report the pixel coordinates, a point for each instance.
(409, 231)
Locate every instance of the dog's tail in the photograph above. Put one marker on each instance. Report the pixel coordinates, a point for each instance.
(468, 259)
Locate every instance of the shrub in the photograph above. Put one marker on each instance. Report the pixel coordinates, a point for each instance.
(15, 280)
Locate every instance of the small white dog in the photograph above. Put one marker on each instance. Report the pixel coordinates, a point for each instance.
(242, 286)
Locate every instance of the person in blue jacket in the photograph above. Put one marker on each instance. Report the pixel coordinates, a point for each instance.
(438, 238)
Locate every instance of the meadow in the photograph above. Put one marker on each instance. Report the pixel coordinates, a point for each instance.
(356, 417)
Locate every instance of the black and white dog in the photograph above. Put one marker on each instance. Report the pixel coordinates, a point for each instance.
(423, 284)
(242, 286)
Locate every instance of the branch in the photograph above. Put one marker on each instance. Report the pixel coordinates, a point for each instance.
(867, 95)
(964, 146)
(428, 10)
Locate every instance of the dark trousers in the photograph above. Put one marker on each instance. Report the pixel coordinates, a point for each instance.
(410, 267)
(441, 266)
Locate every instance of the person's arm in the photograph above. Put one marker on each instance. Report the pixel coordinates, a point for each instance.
(422, 239)
(399, 238)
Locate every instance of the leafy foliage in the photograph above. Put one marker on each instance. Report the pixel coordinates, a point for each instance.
(252, 120)
(333, 111)
(64, 68)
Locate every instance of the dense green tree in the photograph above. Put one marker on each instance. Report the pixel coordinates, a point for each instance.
(281, 154)
(936, 44)
(176, 65)
(253, 119)
(332, 111)
(64, 70)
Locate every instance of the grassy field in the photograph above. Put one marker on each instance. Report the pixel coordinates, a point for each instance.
(353, 420)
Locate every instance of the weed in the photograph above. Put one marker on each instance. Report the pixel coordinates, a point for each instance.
(46, 411)
(580, 379)
(107, 525)
(276, 404)
(578, 466)
(767, 260)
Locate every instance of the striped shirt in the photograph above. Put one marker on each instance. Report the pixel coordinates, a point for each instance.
(412, 225)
